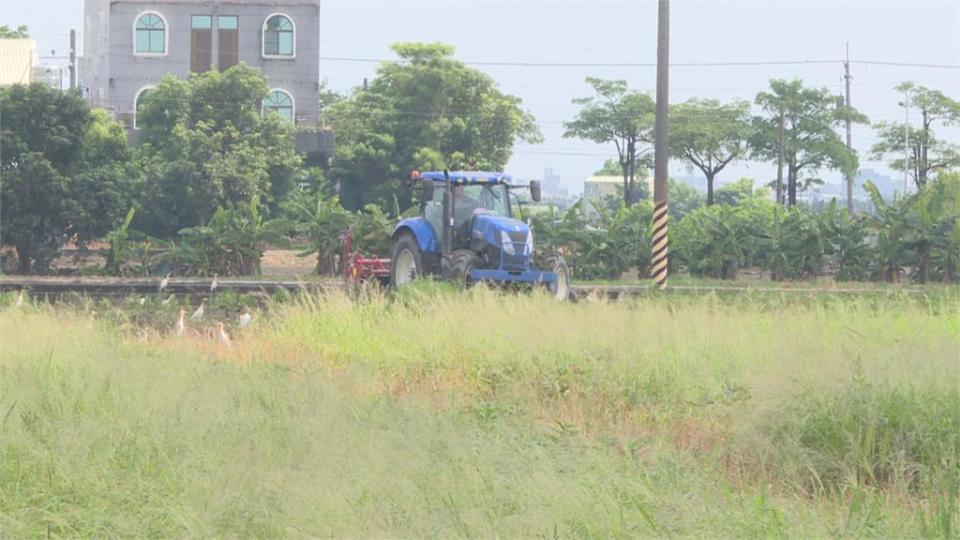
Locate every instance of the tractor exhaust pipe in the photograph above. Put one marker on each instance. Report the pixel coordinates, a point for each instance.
(447, 214)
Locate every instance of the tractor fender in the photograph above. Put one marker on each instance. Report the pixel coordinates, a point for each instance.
(421, 229)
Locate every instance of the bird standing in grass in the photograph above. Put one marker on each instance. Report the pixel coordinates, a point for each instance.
(245, 318)
(19, 299)
(165, 281)
(222, 333)
(198, 314)
(214, 284)
(181, 327)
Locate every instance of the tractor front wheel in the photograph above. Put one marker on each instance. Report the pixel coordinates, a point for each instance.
(462, 262)
(406, 261)
(560, 289)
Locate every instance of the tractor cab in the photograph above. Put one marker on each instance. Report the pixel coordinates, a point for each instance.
(473, 196)
(466, 231)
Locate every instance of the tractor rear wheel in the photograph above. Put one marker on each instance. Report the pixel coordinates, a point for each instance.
(560, 289)
(406, 261)
(461, 263)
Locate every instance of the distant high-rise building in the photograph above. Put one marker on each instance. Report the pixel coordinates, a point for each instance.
(886, 185)
(551, 184)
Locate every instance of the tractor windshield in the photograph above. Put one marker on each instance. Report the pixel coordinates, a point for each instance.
(480, 198)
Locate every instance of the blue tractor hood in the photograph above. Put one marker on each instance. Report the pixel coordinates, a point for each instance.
(488, 226)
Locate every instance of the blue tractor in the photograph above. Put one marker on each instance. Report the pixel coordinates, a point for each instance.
(466, 232)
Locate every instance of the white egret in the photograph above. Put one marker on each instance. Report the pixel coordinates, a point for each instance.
(198, 314)
(181, 327)
(224, 337)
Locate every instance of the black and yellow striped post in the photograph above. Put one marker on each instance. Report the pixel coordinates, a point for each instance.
(660, 243)
(661, 214)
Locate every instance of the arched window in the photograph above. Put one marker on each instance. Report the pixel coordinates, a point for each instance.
(279, 101)
(138, 103)
(150, 34)
(279, 36)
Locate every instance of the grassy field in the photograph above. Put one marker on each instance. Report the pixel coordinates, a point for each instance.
(437, 414)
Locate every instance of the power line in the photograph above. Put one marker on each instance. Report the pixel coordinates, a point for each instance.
(745, 63)
(596, 64)
(905, 64)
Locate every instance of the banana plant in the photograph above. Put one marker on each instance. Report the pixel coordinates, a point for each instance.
(933, 230)
(371, 230)
(889, 224)
(845, 240)
(711, 241)
(321, 221)
(121, 248)
(233, 242)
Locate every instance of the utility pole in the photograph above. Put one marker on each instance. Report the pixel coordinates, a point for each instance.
(846, 77)
(780, 157)
(73, 59)
(661, 213)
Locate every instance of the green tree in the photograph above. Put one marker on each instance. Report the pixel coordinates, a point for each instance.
(735, 192)
(611, 167)
(683, 199)
(810, 140)
(63, 176)
(426, 110)
(206, 143)
(19, 33)
(927, 153)
(617, 115)
(709, 135)
(106, 180)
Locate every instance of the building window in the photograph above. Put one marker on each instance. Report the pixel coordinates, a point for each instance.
(280, 102)
(279, 36)
(150, 34)
(201, 43)
(228, 42)
(138, 103)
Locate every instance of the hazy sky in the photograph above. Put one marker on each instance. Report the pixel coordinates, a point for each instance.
(624, 31)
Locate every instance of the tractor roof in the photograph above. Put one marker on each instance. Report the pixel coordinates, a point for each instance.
(470, 177)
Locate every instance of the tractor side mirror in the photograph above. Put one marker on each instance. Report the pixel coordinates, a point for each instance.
(426, 190)
(535, 190)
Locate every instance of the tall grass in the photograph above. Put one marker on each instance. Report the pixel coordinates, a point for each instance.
(439, 414)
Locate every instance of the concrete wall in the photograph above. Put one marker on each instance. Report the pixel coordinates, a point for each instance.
(121, 74)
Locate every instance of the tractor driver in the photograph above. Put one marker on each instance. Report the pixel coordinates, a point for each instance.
(463, 205)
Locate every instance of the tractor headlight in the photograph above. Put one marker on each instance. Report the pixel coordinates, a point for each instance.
(530, 242)
(507, 243)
